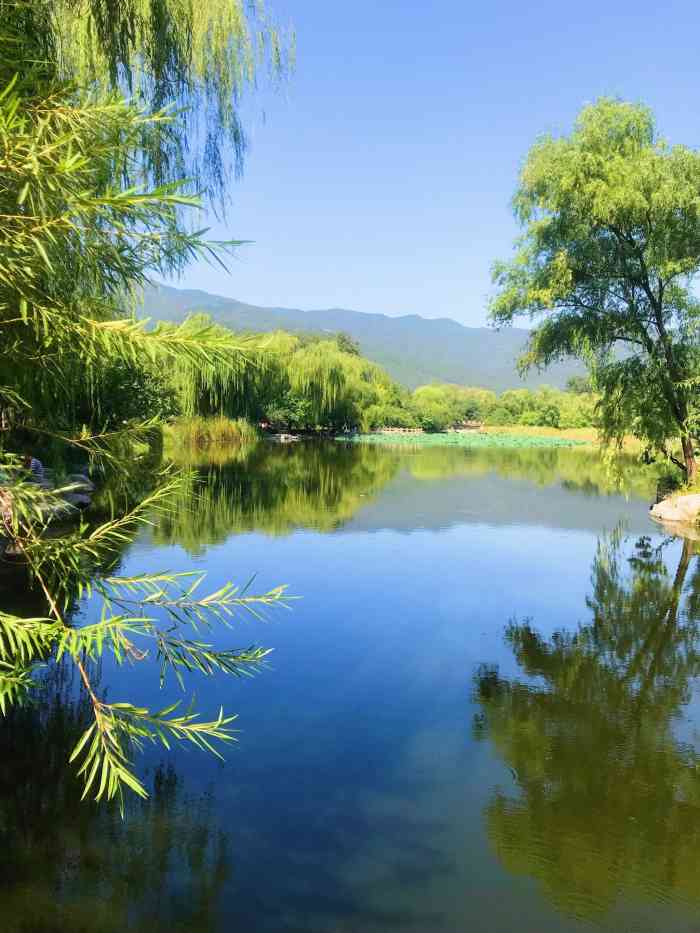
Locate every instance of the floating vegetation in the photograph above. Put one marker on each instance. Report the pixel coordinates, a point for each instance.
(460, 439)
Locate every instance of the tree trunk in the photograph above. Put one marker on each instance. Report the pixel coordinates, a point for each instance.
(691, 466)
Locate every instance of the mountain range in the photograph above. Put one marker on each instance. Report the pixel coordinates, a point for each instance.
(414, 350)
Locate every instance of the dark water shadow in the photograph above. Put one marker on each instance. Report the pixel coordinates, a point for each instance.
(70, 865)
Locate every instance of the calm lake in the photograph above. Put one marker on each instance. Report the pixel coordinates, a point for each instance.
(481, 715)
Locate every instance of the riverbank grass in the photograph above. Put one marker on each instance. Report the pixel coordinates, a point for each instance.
(200, 433)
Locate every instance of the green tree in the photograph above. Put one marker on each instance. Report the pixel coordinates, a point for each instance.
(443, 404)
(73, 243)
(431, 415)
(348, 344)
(608, 256)
(517, 402)
(299, 381)
(500, 415)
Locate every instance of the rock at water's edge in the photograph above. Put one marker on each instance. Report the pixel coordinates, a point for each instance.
(677, 509)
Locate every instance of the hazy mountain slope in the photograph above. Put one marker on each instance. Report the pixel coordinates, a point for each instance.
(414, 350)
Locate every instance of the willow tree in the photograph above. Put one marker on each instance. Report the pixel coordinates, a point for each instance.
(606, 267)
(301, 381)
(73, 241)
(341, 387)
(195, 59)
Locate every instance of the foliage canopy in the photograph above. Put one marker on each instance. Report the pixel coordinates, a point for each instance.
(74, 242)
(193, 60)
(607, 259)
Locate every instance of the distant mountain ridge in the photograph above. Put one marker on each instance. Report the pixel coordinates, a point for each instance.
(414, 350)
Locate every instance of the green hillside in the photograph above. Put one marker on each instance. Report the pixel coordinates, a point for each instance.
(414, 350)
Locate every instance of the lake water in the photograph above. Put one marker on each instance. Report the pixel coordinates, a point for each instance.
(481, 715)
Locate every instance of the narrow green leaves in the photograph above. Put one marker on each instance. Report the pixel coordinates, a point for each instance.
(23, 640)
(160, 611)
(15, 684)
(103, 749)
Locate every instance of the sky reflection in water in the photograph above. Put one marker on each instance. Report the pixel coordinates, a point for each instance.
(480, 715)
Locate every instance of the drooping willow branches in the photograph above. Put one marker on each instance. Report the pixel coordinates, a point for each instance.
(193, 59)
(75, 244)
(167, 614)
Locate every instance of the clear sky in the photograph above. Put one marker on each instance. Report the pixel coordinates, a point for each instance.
(380, 178)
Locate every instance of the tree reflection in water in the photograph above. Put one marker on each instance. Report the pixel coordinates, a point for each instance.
(607, 795)
(71, 865)
(276, 489)
(607, 799)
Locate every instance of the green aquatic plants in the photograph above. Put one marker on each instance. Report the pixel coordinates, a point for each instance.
(204, 433)
(467, 439)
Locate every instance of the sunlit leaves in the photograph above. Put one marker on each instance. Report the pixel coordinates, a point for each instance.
(196, 58)
(158, 613)
(178, 654)
(103, 749)
(606, 262)
(23, 640)
(77, 252)
(88, 213)
(15, 683)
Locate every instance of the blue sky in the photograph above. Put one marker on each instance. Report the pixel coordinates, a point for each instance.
(380, 178)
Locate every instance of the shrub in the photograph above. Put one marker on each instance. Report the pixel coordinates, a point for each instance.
(500, 416)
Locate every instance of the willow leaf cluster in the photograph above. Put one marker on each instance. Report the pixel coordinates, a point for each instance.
(161, 614)
(194, 60)
(77, 241)
(74, 245)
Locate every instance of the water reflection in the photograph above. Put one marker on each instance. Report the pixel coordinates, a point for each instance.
(577, 469)
(276, 489)
(605, 801)
(353, 799)
(69, 865)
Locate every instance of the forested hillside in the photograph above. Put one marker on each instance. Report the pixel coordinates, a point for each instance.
(413, 350)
